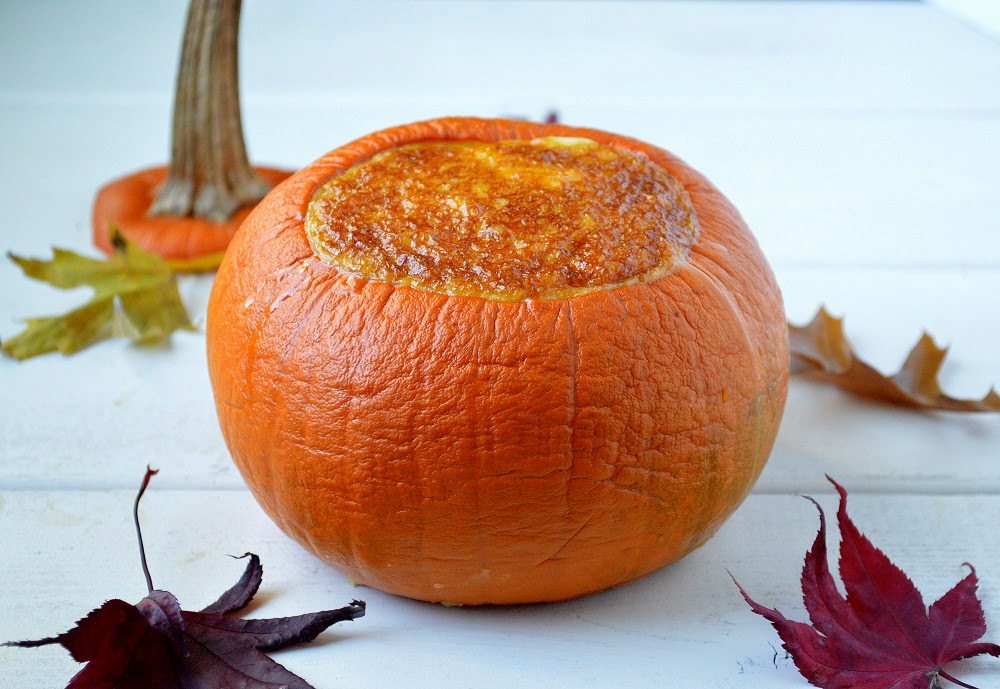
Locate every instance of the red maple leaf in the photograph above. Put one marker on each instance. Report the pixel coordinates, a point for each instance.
(154, 644)
(881, 636)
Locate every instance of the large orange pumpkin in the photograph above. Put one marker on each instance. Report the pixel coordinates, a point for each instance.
(475, 450)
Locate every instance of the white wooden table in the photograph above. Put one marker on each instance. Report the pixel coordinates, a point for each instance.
(860, 140)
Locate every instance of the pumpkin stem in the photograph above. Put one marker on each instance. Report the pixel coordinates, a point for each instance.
(209, 175)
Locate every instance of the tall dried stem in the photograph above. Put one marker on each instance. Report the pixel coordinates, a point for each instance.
(209, 175)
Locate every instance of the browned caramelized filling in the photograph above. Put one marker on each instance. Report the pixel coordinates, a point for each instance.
(513, 220)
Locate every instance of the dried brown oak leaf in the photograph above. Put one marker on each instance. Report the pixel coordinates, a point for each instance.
(157, 645)
(821, 351)
(881, 636)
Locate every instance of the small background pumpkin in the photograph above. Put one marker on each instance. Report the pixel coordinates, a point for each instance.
(188, 210)
(472, 451)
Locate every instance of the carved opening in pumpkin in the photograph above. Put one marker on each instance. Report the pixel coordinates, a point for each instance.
(512, 220)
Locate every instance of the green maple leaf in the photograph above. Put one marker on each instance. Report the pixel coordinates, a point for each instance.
(135, 296)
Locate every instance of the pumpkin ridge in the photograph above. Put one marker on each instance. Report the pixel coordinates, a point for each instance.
(573, 354)
(710, 282)
(737, 312)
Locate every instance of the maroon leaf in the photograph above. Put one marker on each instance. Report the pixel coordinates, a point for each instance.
(229, 647)
(270, 634)
(242, 592)
(121, 649)
(163, 613)
(881, 635)
(209, 667)
(157, 645)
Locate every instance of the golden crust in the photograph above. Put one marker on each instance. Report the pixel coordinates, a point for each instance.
(543, 219)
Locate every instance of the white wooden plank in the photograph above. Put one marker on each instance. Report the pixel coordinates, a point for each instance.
(817, 189)
(859, 139)
(67, 552)
(124, 407)
(843, 189)
(984, 15)
(453, 54)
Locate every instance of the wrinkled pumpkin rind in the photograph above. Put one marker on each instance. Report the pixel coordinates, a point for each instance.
(471, 451)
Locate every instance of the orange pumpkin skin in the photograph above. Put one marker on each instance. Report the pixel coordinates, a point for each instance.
(124, 203)
(471, 451)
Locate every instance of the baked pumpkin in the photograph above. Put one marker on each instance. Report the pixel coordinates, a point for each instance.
(487, 361)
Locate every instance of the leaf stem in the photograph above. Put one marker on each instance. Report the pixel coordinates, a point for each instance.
(954, 680)
(138, 531)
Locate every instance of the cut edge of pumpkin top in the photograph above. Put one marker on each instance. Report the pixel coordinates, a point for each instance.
(549, 218)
